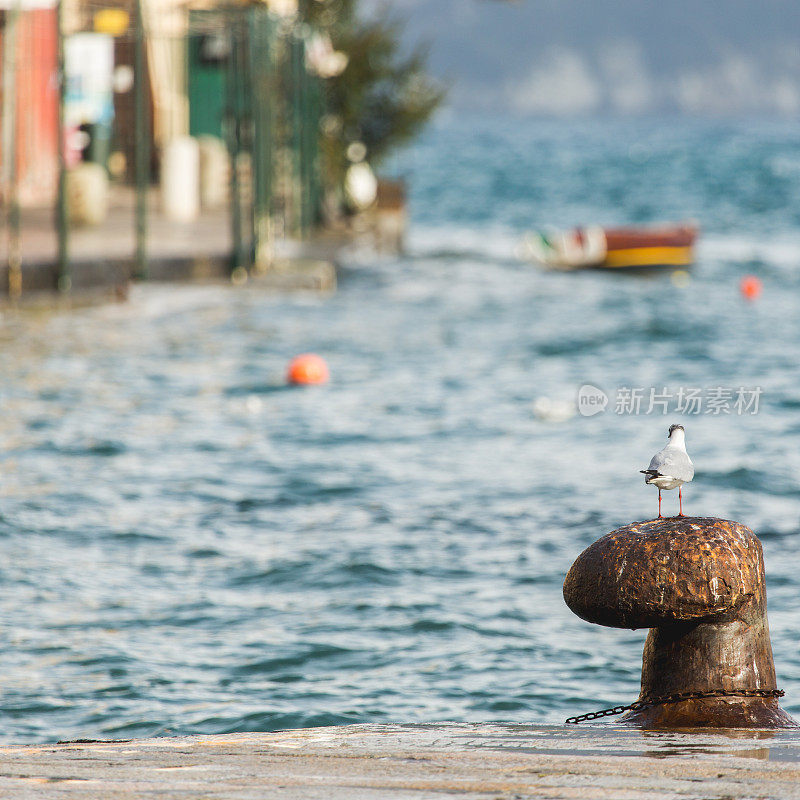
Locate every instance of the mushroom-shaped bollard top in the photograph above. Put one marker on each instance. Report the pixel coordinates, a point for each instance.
(674, 569)
(698, 584)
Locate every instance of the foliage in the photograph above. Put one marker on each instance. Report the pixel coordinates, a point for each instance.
(384, 97)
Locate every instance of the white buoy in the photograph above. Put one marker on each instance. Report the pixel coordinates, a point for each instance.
(180, 179)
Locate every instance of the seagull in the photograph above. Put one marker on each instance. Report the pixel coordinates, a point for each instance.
(671, 467)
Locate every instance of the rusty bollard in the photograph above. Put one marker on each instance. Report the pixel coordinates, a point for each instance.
(698, 584)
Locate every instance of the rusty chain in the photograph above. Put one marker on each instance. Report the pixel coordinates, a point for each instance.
(638, 705)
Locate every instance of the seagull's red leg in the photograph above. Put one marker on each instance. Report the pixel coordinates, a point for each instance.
(680, 502)
(659, 503)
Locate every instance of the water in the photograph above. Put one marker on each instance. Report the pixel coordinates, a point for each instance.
(187, 546)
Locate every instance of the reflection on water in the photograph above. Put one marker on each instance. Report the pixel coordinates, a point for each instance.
(602, 739)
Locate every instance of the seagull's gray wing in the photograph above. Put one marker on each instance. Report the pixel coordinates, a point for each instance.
(674, 462)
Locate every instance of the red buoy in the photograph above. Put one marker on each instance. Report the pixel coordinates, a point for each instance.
(750, 287)
(307, 368)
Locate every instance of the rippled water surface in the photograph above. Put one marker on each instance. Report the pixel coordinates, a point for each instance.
(187, 545)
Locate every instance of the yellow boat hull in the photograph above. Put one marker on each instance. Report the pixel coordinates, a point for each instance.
(648, 257)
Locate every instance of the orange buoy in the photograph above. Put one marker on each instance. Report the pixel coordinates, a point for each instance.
(307, 368)
(750, 287)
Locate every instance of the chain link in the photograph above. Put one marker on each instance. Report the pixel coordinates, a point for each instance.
(676, 697)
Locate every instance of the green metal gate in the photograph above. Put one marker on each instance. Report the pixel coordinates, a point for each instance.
(248, 84)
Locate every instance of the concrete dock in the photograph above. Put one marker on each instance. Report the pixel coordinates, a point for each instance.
(102, 256)
(367, 762)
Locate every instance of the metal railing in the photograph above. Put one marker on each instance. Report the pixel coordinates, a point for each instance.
(124, 89)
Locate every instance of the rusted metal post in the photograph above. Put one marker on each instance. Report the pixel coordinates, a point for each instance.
(698, 583)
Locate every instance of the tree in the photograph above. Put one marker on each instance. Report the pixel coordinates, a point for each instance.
(383, 97)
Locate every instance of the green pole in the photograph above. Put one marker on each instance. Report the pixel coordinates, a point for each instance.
(297, 139)
(142, 143)
(310, 146)
(314, 166)
(64, 276)
(260, 58)
(232, 134)
(304, 165)
(10, 151)
(245, 104)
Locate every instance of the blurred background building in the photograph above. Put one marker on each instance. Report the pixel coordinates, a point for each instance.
(271, 115)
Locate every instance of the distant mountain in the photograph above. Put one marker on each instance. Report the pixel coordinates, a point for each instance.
(570, 57)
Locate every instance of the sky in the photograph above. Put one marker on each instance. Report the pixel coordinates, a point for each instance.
(583, 57)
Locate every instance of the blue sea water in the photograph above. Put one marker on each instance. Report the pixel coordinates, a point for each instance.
(189, 546)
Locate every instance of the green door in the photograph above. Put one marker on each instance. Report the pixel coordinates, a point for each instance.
(209, 54)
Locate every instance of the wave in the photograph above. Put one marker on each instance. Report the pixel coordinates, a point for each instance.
(490, 243)
(781, 252)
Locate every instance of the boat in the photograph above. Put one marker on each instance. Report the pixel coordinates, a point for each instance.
(593, 246)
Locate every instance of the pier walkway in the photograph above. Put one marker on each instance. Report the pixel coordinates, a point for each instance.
(102, 257)
(419, 762)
